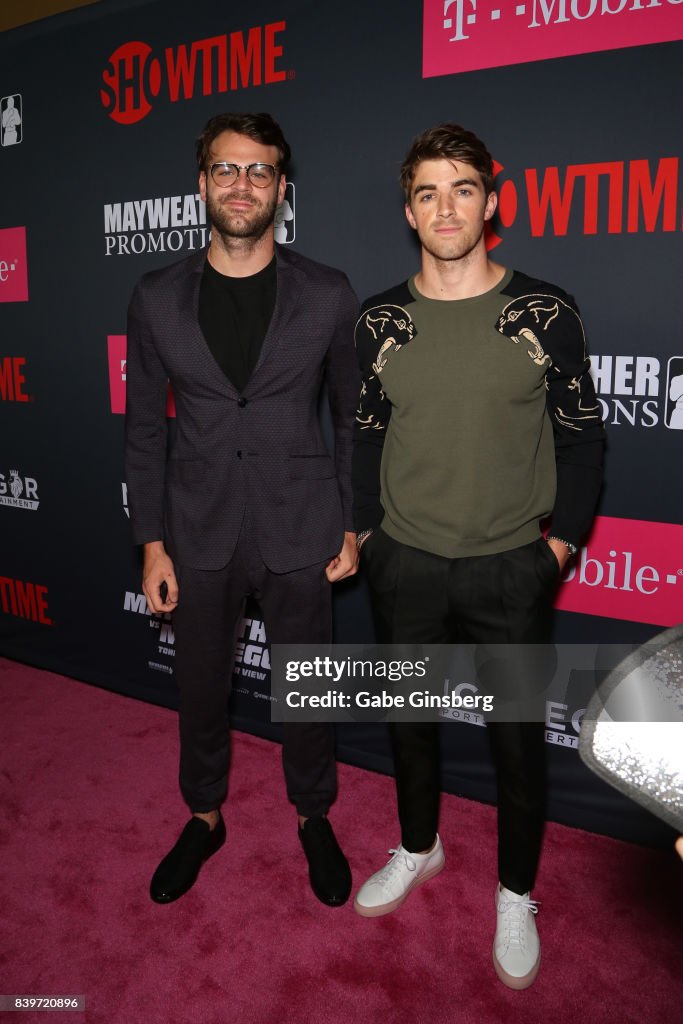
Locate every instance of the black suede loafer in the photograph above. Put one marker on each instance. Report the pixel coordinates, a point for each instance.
(328, 868)
(179, 869)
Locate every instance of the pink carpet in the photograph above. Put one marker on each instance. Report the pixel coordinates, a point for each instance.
(89, 804)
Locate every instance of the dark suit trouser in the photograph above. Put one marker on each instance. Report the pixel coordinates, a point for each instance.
(419, 597)
(296, 608)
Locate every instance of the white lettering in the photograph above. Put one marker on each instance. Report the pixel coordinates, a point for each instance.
(112, 218)
(642, 579)
(157, 212)
(554, 718)
(601, 372)
(128, 220)
(592, 6)
(647, 373)
(622, 375)
(547, 11)
(135, 603)
(189, 211)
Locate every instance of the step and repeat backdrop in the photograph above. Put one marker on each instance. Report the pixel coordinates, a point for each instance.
(578, 101)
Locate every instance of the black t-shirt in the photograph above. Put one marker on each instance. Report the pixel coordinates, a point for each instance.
(234, 314)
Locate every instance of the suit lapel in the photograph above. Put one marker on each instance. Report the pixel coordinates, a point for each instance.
(290, 284)
(189, 319)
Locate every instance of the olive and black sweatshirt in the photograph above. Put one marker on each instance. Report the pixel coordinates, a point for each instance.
(477, 418)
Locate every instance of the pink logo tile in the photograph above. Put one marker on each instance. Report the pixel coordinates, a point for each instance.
(116, 344)
(466, 35)
(630, 569)
(13, 268)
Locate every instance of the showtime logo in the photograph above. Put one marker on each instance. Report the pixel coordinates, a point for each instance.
(134, 77)
(166, 224)
(24, 600)
(13, 271)
(631, 569)
(631, 393)
(116, 345)
(612, 197)
(467, 35)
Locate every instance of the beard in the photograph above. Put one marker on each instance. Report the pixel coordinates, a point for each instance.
(251, 223)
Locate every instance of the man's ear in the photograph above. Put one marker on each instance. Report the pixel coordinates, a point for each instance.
(202, 185)
(409, 217)
(491, 205)
(281, 187)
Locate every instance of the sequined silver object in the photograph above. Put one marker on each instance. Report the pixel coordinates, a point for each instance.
(632, 732)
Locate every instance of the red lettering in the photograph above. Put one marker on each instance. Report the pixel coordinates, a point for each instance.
(7, 379)
(7, 591)
(653, 198)
(41, 597)
(181, 69)
(19, 380)
(243, 58)
(26, 600)
(592, 174)
(273, 52)
(549, 197)
(206, 46)
(12, 380)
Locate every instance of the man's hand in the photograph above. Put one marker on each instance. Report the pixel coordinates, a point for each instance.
(346, 562)
(158, 569)
(561, 552)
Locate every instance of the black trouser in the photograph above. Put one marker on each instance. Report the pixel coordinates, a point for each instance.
(296, 608)
(506, 598)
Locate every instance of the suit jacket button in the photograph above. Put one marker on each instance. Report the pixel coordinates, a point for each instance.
(241, 402)
(239, 455)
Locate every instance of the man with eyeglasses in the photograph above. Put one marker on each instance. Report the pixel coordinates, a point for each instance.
(242, 498)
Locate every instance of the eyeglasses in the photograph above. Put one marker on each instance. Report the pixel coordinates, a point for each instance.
(260, 175)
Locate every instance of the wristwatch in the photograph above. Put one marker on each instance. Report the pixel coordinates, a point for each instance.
(572, 547)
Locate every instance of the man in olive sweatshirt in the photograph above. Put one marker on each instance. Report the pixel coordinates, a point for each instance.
(477, 420)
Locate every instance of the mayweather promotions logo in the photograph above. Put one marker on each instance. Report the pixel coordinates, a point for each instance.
(159, 224)
(135, 77)
(637, 391)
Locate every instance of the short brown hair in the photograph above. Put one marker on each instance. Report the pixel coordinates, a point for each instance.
(447, 142)
(260, 127)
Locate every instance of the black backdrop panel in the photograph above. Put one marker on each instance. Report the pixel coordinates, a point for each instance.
(99, 186)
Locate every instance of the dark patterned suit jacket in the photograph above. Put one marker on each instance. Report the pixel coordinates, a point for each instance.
(260, 450)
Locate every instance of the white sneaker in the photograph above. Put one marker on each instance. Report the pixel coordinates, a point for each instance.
(387, 888)
(516, 947)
